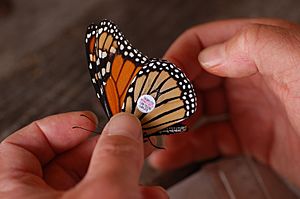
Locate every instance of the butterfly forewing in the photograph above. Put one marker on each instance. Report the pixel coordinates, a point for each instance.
(114, 64)
(90, 44)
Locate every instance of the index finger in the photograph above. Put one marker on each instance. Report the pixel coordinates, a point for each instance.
(38, 143)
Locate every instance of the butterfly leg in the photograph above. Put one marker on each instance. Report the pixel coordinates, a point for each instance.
(147, 139)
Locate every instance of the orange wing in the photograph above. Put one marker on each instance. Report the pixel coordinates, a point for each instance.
(123, 72)
(113, 64)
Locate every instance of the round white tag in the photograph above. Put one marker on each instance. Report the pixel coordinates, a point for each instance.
(146, 103)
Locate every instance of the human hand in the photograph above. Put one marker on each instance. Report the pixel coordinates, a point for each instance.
(49, 159)
(253, 74)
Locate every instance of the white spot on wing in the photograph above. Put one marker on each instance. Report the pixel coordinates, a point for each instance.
(103, 71)
(104, 54)
(112, 50)
(108, 67)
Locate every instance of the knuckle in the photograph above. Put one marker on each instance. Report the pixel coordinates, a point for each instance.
(282, 23)
(249, 36)
(256, 38)
(259, 36)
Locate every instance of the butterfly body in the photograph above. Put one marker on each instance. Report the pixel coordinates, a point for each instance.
(154, 90)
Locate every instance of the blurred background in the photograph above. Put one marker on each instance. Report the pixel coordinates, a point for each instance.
(43, 69)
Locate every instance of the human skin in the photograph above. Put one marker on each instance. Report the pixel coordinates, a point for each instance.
(49, 159)
(249, 69)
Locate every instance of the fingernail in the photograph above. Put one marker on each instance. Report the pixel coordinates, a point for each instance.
(124, 124)
(212, 56)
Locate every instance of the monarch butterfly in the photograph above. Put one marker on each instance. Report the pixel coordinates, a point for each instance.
(125, 80)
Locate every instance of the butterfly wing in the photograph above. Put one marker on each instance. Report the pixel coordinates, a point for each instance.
(173, 93)
(113, 63)
(121, 76)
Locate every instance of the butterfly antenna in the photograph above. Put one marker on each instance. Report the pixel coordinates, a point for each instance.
(82, 115)
(155, 146)
(79, 127)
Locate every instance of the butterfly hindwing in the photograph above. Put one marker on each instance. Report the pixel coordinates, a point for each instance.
(174, 96)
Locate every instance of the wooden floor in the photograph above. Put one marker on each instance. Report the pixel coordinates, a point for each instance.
(43, 68)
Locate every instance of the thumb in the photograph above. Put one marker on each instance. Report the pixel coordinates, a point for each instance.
(118, 156)
(266, 49)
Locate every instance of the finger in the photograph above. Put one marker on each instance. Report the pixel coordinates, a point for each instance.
(254, 49)
(207, 142)
(185, 50)
(214, 101)
(205, 81)
(66, 171)
(118, 156)
(209, 102)
(68, 168)
(39, 142)
(154, 192)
